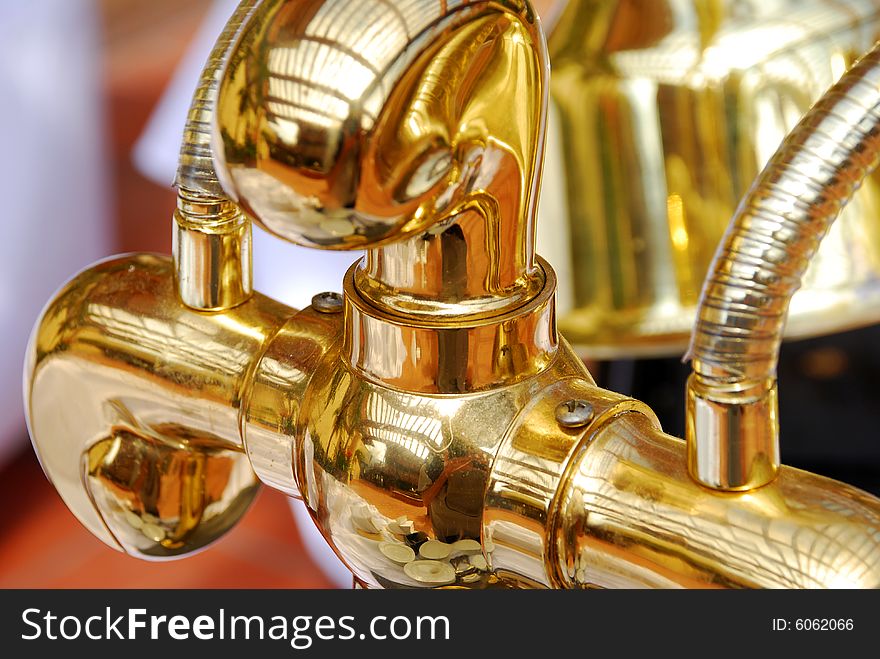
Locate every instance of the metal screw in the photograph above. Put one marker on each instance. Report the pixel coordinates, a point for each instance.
(327, 302)
(574, 413)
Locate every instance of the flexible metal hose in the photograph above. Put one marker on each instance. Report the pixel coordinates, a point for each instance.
(195, 171)
(776, 231)
(732, 421)
(212, 236)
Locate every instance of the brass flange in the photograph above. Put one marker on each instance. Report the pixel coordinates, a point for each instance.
(450, 354)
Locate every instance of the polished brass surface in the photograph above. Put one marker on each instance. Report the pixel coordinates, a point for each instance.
(195, 171)
(759, 266)
(212, 252)
(212, 236)
(630, 516)
(738, 447)
(522, 505)
(493, 467)
(132, 401)
(348, 125)
(446, 355)
(273, 407)
(407, 147)
(665, 111)
(423, 418)
(371, 458)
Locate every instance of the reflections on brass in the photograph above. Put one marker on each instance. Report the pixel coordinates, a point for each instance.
(419, 425)
(450, 355)
(338, 128)
(212, 236)
(371, 458)
(168, 493)
(119, 372)
(732, 416)
(666, 113)
(271, 412)
(631, 516)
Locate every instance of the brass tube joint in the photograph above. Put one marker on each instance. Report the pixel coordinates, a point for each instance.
(211, 236)
(732, 418)
(437, 429)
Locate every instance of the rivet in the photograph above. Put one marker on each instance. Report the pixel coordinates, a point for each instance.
(574, 413)
(327, 302)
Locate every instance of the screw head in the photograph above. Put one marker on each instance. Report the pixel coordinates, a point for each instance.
(327, 302)
(574, 413)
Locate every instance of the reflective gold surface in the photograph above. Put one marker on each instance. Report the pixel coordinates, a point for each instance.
(212, 252)
(631, 516)
(665, 111)
(370, 455)
(273, 407)
(522, 505)
(212, 237)
(389, 130)
(195, 169)
(156, 464)
(759, 266)
(132, 403)
(345, 124)
(350, 125)
(446, 355)
(738, 431)
(437, 431)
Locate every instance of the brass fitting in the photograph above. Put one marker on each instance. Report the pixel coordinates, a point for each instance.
(212, 236)
(149, 417)
(732, 413)
(437, 429)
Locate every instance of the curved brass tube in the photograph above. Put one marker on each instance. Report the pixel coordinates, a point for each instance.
(136, 427)
(212, 237)
(135, 403)
(146, 416)
(360, 125)
(355, 125)
(732, 413)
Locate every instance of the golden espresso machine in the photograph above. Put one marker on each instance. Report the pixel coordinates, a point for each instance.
(435, 425)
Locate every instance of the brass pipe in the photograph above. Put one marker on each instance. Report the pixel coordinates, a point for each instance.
(148, 417)
(462, 449)
(489, 166)
(632, 517)
(404, 155)
(732, 425)
(212, 236)
(135, 403)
